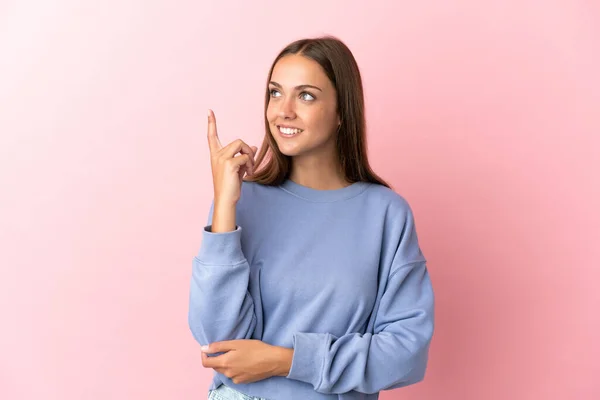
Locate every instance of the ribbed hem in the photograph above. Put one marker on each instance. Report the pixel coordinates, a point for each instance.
(223, 248)
(309, 357)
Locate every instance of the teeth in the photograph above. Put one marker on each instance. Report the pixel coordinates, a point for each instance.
(289, 131)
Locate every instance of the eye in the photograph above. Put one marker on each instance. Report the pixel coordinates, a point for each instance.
(273, 91)
(304, 95)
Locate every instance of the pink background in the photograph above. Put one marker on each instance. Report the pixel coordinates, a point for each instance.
(483, 114)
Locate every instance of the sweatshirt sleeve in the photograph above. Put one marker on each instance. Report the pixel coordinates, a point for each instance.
(394, 355)
(220, 306)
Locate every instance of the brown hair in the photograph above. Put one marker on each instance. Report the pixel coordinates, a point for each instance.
(342, 70)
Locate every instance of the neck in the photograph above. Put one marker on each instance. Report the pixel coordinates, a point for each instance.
(318, 173)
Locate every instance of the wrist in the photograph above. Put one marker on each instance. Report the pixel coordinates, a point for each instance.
(223, 217)
(284, 360)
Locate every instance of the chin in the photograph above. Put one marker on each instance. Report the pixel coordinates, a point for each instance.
(289, 152)
(284, 148)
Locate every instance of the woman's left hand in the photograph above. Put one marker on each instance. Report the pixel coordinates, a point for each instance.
(247, 360)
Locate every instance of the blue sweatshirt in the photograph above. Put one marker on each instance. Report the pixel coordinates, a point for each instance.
(337, 275)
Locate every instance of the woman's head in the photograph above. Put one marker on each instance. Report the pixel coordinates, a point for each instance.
(302, 112)
(314, 85)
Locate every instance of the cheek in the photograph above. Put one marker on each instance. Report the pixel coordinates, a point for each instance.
(271, 113)
(321, 119)
(271, 116)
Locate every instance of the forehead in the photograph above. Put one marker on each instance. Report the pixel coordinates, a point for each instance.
(293, 70)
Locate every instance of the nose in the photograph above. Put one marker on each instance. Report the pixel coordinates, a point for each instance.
(286, 110)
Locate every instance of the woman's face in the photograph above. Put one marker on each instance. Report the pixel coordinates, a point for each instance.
(302, 109)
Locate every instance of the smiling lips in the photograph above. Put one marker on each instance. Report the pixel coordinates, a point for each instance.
(287, 131)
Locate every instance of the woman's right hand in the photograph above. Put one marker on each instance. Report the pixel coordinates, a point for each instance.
(228, 167)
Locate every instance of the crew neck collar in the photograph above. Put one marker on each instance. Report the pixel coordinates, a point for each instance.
(323, 196)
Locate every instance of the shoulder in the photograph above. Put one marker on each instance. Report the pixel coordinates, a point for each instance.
(399, 225)
(393, 202)
(250, 188)
(253, 192)
(398, 222)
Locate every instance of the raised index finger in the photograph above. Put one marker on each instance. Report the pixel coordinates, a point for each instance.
(213, 139)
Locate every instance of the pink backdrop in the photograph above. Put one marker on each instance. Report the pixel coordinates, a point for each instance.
(484, 115)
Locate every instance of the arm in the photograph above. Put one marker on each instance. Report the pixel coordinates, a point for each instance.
(394, 356)
(396, 353)
(220, 306)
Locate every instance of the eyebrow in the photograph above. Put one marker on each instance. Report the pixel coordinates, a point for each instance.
(297, 87)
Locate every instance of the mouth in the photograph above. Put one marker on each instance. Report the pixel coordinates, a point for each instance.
(288, 131)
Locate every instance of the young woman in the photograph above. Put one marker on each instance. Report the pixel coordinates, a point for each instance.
(309, 283)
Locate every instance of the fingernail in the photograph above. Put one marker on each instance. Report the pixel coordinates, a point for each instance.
(204, 348)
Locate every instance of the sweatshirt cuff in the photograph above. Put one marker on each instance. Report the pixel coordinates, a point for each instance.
(223, 248)
(309, 357)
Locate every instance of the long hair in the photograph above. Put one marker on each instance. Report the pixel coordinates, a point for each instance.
(341, 68)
